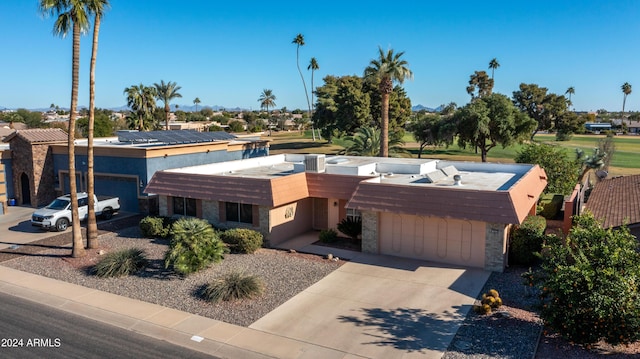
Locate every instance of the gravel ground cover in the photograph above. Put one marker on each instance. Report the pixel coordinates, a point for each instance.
(513, 332)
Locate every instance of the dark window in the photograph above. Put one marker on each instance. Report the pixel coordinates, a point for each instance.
(184, 206)
(239, 212)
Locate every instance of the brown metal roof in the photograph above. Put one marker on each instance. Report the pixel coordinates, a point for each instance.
(270, 192)
(40, 135)
(616, 201)
(490, 206)
(324, 185)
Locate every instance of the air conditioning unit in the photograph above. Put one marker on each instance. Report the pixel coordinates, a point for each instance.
(314, 163)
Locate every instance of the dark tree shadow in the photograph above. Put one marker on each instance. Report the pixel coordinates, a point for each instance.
(409, 329)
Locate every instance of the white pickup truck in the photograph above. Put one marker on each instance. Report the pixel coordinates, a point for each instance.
(57, 214)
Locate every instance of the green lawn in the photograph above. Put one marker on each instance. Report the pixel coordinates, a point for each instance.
(626, 159)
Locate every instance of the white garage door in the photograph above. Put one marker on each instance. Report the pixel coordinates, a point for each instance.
(435, 239)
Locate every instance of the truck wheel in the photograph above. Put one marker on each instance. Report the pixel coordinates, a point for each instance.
(62, 224)
(107, 213)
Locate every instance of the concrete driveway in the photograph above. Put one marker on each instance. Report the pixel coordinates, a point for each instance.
(16, 228)
(381, 307)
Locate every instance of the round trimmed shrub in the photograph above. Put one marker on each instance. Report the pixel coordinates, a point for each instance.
(235, 285)
(242, 240)
(121, 263)
(153, 227)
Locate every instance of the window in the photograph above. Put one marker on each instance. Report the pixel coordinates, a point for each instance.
(83, 201)
(184, 206)
(354, 214)
(239, 212)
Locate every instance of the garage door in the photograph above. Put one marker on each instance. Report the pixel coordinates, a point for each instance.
(123, 187)
(434, 239)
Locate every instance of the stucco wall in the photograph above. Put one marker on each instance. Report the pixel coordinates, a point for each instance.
(289, 221)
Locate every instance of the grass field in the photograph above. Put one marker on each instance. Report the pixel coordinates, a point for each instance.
(626, 159)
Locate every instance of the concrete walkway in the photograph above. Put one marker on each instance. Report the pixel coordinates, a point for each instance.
(371, 307)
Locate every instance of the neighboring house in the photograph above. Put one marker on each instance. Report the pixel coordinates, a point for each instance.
(444, 211)
(37, 171)
(616, 201)
(597, 126)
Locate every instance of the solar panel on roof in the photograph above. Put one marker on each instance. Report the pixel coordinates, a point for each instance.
(173, 136)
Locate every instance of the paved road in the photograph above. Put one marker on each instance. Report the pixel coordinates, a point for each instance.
(30, 330)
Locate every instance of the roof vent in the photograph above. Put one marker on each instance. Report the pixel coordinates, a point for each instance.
(457, 180)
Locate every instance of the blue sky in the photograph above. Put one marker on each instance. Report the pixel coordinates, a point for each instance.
(227, 52)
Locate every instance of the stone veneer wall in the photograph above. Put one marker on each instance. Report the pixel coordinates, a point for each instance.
(37, 162)
(370, 232)
(163, 208)
(265, 224)
(211, 212)
(495, 247)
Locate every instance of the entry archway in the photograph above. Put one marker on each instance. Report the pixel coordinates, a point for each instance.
(25, 189)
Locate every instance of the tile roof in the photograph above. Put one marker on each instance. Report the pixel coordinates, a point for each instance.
(40, 135)
(616, 201)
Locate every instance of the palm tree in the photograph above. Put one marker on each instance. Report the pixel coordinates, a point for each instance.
(313, 66)
(196, 102)
(142, 100)
(493, 65)
(626, 90)
(299, 41)
(387, 69)
(71, 15)
(570, 91)
(97, 8)
(366, 142)
(165, 93)
(266, 99)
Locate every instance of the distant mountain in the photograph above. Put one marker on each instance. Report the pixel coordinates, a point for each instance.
(417, 108)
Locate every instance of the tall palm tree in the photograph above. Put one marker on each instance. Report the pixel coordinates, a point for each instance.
(266, 99)
(570, 91)
(97, 8)
(387, 69)
(71, 15)
(299, 41)
(165, 93)
(626, 90)
(313, 66)
(196, 102)
(142, 101)
(493, 65)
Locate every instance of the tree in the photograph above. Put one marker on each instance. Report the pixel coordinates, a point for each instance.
(299, 41)
(490, 121)
(537, 104)
(626, 90)
(387, 69)
(97, 8)
(366, 142)
(588, 283)
(342, 106)
(196, 101)
(166, 92)
(570, 91)
(562, 170)
(432, 130)
(493, 65)
(142, 101)
(266, 99)
(588, 163)
(102, 127)
(313, 66)
(71, 15)
(481, 83)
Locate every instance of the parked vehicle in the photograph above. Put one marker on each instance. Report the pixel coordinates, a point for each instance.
(57, 215)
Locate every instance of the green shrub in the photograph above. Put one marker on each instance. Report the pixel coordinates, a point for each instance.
(242, 240)
(121, 263)
(328, 235)
(551, 205)
(235, 285)
(153, 227)
(588, 284)
(351, 227)
(526, 240)
(194, 245)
